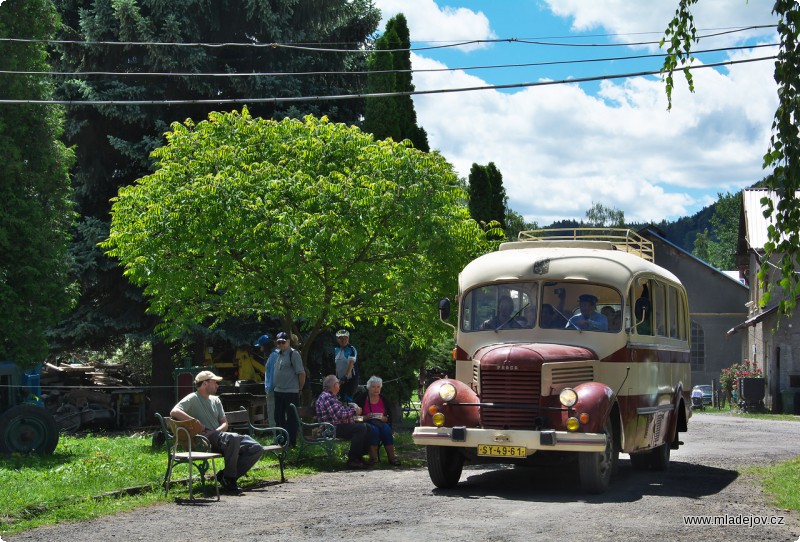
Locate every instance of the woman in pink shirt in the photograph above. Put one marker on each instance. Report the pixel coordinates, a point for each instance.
(378, 417)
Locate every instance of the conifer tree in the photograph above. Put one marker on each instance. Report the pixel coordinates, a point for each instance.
(487, 196)
(34, 193)
(390, 71)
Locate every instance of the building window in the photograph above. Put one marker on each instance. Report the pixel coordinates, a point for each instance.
(698, 347)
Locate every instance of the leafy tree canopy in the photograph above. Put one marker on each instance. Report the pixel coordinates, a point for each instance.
(310, 220)
(600, 216)
(113, 143)
(783, 154)
(719, 247)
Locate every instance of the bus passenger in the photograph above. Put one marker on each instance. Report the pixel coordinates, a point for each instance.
(588, 318)
(505, 308)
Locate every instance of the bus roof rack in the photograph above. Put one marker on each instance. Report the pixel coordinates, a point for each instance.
(622, 239)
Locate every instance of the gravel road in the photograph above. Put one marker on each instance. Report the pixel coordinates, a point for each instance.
(492, 503)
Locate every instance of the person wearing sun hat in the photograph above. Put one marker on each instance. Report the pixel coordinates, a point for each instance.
(290, 376)
(588, 319)
(345, 357)
(241, 452)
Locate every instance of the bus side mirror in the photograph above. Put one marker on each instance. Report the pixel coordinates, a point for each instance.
(444, 309)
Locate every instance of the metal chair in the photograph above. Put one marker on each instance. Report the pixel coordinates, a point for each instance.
(193, 450)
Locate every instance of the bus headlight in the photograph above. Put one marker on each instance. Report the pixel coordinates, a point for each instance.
(568, 397)
(438, 419)
(447, 392)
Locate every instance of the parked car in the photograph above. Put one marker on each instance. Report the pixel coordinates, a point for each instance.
(706, 390)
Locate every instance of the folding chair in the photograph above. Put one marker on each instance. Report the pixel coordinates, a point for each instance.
(182, 447)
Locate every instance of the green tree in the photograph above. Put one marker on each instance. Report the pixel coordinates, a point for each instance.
(783, 154)
(516, 223)
(311, 221)
(487, 196)
(390, 71)
(719, 246)
(35, 191)
(600, 216)
(114, 143)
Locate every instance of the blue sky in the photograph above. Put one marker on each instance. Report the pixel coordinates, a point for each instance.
(562, 148)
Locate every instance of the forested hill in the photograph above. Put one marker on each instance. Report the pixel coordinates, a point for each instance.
(682, 232)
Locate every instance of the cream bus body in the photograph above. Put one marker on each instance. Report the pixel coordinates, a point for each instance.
(537, 386)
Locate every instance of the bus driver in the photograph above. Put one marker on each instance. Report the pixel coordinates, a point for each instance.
(588, 318)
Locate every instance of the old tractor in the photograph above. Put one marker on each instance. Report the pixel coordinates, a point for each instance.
(25, 425)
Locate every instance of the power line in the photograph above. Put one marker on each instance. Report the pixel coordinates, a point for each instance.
(376, 72)
(361, 49)
(220, 101)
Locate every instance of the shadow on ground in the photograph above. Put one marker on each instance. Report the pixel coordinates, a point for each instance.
(562, 485)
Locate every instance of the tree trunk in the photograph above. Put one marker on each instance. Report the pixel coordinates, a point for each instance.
(162, 395)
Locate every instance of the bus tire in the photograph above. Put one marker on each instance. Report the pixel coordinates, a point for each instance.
(596, 468)
(444, 466)
(659, 457)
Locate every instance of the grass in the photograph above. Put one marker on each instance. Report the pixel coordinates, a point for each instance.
(96, 475)
(754, 415)
(781, 481)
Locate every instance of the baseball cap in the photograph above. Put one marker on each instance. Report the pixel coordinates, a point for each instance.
(587, 297)
(202, 376)
(342, 333)
(282, 336)
(264, 339)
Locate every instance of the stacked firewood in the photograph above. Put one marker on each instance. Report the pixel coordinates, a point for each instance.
(91, 393)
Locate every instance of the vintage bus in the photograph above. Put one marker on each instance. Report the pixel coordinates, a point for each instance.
(571, 347)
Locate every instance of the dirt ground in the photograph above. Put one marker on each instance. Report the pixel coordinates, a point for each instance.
(493, 503)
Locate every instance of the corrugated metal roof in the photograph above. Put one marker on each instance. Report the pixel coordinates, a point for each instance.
(755, 223)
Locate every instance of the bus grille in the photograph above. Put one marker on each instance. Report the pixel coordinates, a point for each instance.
(521, 387)
(563, 377)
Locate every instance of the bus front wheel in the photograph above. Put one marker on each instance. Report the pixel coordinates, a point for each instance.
(444, 466)
(596, 468)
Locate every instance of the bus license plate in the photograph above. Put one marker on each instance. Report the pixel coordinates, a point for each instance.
(502, 451)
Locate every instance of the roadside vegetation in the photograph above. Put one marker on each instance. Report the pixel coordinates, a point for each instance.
(96, 475)
(782, 480)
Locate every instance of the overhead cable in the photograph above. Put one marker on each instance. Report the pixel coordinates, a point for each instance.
(376, 95)
(374, 72)
(360, 49)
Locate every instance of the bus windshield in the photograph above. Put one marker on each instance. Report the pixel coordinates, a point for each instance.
(551, 305)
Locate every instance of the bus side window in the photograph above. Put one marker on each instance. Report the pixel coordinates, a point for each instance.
(642, 308)
(659, 308)
(643, 315)
(673, 309)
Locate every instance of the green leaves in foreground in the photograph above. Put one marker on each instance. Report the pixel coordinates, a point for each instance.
(298, 219)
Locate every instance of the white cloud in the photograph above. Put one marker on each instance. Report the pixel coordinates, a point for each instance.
(432, 23)
(561, 148)
(630, 19)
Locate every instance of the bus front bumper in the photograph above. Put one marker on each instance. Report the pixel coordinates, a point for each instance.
(500, 439)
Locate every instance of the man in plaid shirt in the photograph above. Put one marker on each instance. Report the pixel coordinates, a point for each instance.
(330, 409)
